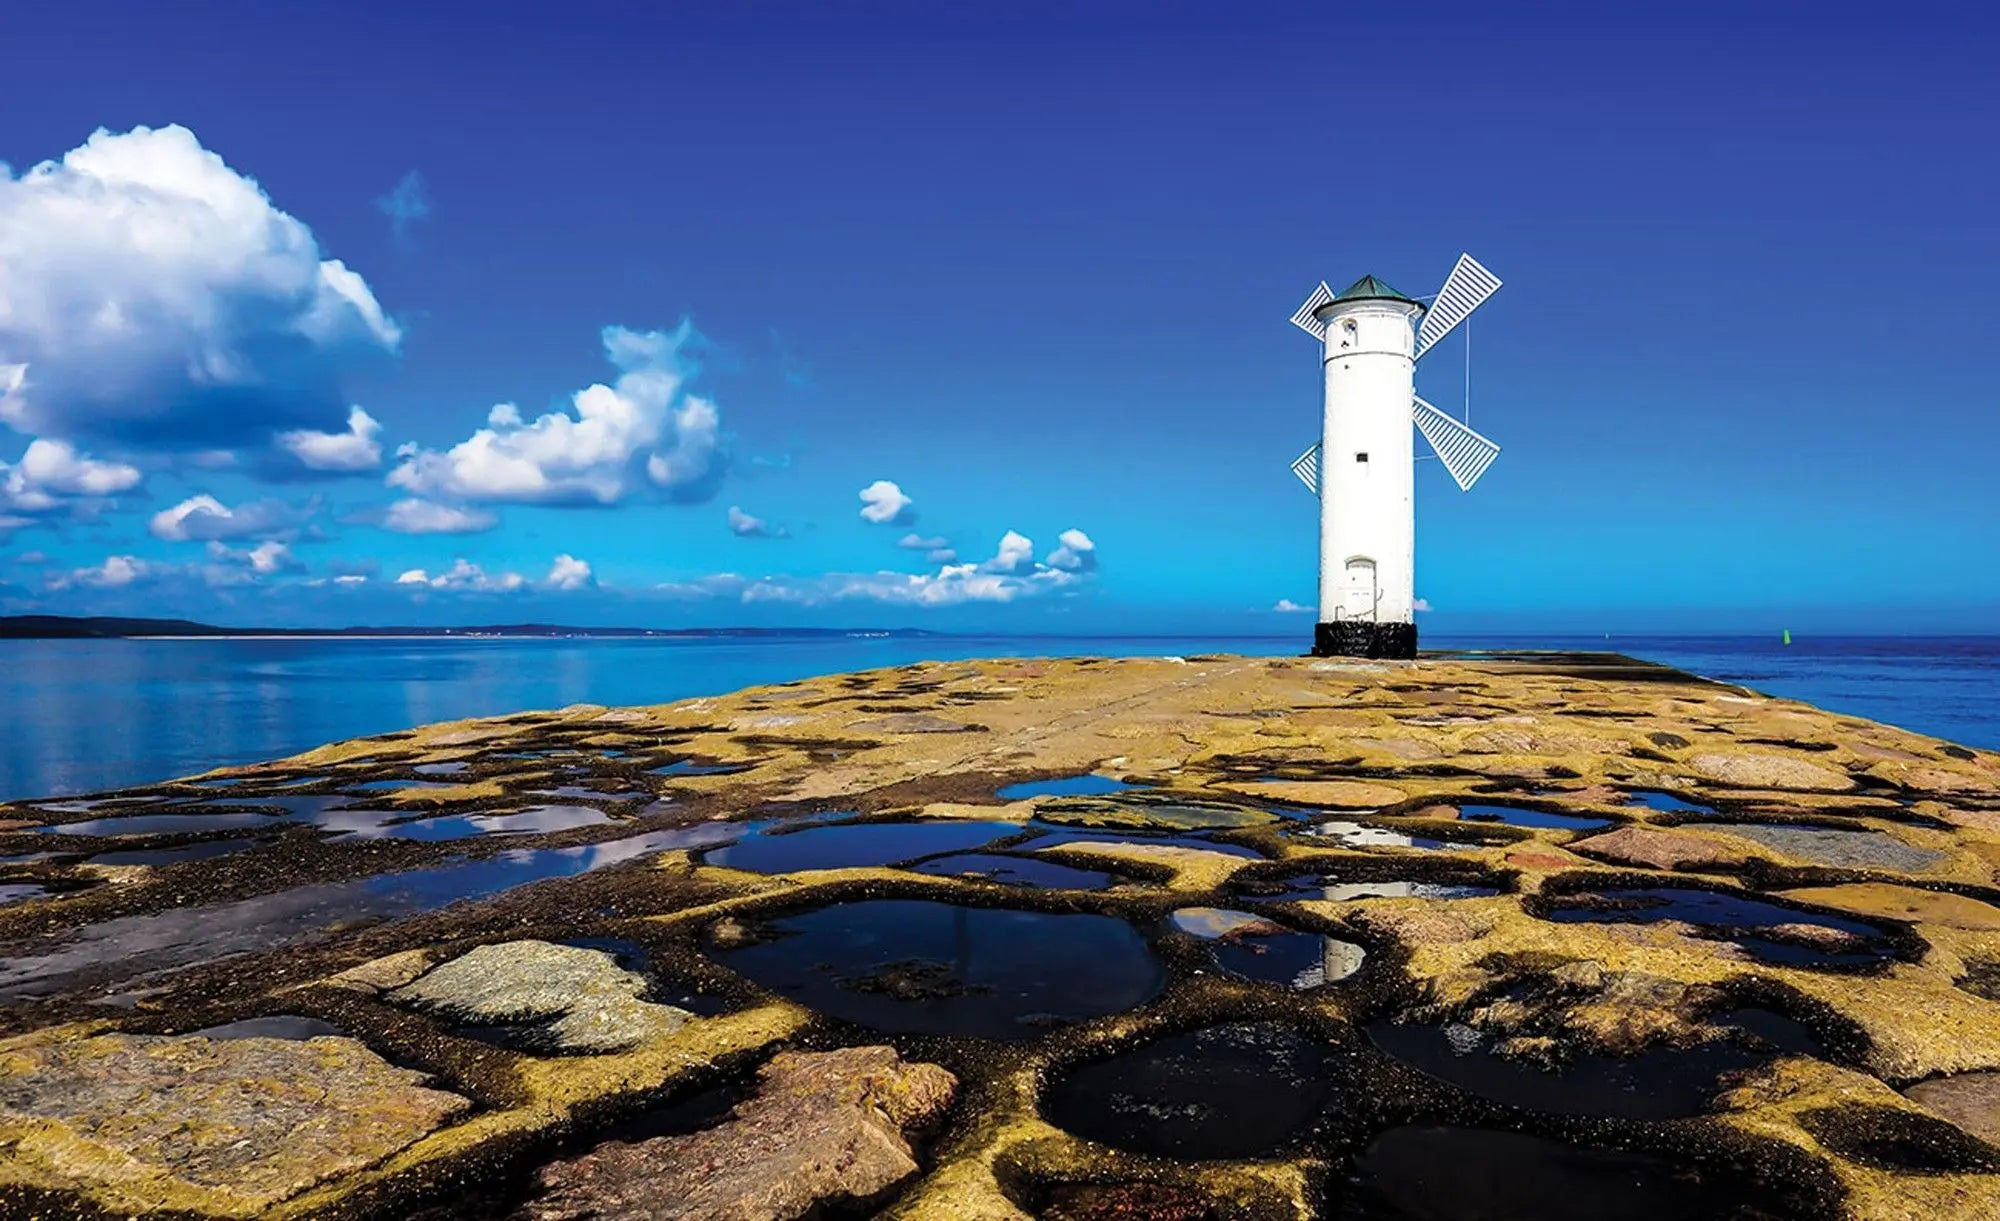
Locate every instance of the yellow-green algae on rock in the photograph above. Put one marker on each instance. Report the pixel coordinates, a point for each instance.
(1512, 933)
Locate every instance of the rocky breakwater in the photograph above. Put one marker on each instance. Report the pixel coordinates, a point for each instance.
(1209, 937)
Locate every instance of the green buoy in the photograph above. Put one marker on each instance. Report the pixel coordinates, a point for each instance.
(1788, 635)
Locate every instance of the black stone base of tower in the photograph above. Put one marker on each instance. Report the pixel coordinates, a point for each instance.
(1354, 638)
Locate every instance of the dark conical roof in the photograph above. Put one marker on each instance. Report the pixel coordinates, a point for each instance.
(1368, 288)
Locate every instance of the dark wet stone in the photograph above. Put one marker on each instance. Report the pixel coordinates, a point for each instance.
(1471, 1174)
(1220, 1092)
(207, 850)
(939, 968)
(1672, 741)
(1657, 1083)
(1733, 917)
(1892, 1139)
(783, 849)
(1086, 785)
(1125, 1202)
(1025, 871)
(1831, 846)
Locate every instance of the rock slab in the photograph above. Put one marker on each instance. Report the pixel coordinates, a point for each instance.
(824, 1128)
(588, 1002)
(235, 1124)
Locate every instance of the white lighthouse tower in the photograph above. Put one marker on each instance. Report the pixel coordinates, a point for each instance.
(1364, 466)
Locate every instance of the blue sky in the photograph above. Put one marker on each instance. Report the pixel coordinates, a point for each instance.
(1031, 265)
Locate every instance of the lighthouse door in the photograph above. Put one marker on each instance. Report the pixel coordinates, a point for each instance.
(1359, 596)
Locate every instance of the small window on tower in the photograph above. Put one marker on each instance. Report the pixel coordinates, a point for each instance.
(1361, 457)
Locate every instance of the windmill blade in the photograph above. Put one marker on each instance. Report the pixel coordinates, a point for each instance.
(1304, 319)
(1306, 467)
(1464, 452)
(1464, 289)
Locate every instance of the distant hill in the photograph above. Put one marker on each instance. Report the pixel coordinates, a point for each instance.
(70, 627)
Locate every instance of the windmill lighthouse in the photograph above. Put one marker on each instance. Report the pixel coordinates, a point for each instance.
(1363, 468)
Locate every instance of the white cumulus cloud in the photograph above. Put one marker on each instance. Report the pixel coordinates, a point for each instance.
(1074, 553)
(116, 572)
(744, 525)
(466, 576)
(884, 504)
(204, 517)
(643, 421)
(1285, 606)
(356, 449)
(54, 477)
(1016, 552)
(414, 515)
(568, 572)
(155, 296)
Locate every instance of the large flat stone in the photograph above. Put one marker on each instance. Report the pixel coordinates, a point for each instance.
(1763, 770)
(236, 1124)
(588, 1002)
(1657, 849)
(1970, 1100)
(824, 1128)
(1833, 847)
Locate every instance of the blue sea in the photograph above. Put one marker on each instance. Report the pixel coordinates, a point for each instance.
(84, 715)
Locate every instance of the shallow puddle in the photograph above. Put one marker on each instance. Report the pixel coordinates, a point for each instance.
(1657, 1083)
(911, 966)
(1025, 871)
(1220, 1092)
(20, 892)
(164, 824)
(696, 767)
(205, 851)
(1472, 1174)
(385, 786)
(1086, 785)
(1516, 816)
(277, 1026)
(1659, 799)
(1333, 888)
(1285, 956)
(580, 792)
(1362, 835)
(777, 849)
(1066, 836)
(441, 769)
(537, 820)
(135, 946)
(85, 806)
(1730, 916)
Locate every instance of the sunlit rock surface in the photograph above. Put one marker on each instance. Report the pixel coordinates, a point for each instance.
(1551, 930)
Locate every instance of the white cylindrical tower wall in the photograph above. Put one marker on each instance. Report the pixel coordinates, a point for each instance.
(1367, 530)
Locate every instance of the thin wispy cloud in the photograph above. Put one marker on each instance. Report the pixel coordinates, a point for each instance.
(407, 203)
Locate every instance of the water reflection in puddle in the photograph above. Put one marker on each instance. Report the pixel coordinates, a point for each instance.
(1516, 816)
(911, 966)
(84, 806)
(1253, 948)
(697, 767)
(1361, 835)
(579, 792)
(1656, 1083)
(1064, 837)
(1659, 799)
(1086, 785)
(1472, 1174)
(383, 786)
(163, 824)
(1729, 916)
(441, 769)
(1220, 1092)
(775, 849)
(278, 1026)
(1333, 888)
(1015, 871)
(20, 892)
(465, 826)
(132, 946)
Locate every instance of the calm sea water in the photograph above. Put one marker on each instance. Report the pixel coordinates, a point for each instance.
(80, 716)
